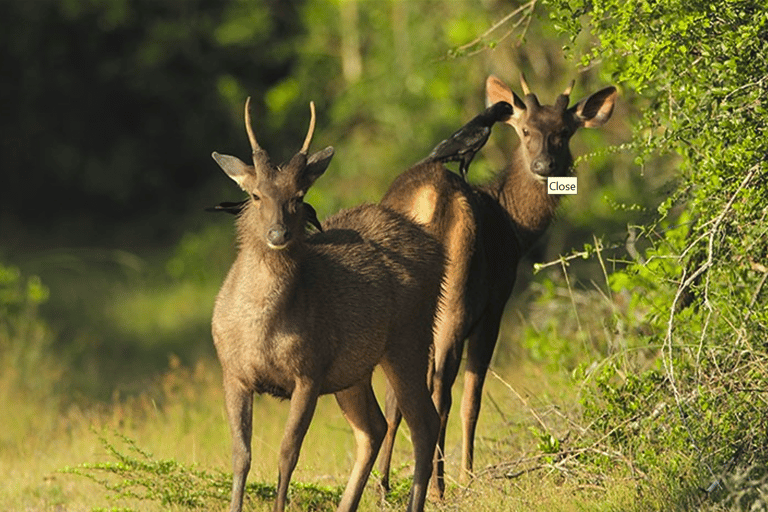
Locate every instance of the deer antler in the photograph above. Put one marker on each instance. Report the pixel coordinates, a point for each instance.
(524, 85)
(249, 128)
(311, 131)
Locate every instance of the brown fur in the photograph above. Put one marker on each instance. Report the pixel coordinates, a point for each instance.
(485, 231)
(317, 315)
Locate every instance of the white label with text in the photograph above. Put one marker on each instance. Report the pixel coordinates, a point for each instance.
(562, 185)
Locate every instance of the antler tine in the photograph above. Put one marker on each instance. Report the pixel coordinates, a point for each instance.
(524, 85)
(567, 91)
(249, 128)
(311, 131)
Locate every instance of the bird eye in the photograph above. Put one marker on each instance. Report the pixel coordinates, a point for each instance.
(526, 132)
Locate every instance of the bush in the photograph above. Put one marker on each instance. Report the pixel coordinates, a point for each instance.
(697, 417)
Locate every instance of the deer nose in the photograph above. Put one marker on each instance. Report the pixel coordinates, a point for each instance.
(278, 237)
(542, 166)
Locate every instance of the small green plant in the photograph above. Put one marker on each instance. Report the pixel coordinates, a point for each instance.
(399, 487)
(547, 442)
(135, 474)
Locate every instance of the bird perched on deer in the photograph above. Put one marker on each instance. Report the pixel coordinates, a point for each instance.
(237, 206)
(464, 144)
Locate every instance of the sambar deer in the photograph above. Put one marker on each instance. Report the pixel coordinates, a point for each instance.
(302, 315)
(485, 231)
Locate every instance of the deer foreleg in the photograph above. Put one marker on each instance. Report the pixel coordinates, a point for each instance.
(239, 405)
(303, 403)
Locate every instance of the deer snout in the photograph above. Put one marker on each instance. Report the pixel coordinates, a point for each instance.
(543, 166)
(278, 237)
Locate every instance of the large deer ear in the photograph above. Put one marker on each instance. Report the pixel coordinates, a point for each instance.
(596, 110)
(233, 166)
(317, 163)
(496, 91)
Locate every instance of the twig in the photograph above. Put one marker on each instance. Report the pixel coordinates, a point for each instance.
(523, 400)
(530, 5)
(598, 246)
(570, 292)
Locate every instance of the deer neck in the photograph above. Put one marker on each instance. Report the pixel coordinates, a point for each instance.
(272, 274)
(525, 199)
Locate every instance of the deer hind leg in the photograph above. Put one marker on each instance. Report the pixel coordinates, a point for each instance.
(393, 417)
(408, 378)
(482, 342)
(447, 364)
(239, 405)
(362, 411)
(303, 403)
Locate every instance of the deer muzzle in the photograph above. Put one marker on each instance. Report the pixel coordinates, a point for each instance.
(543, 166)
(278, 237)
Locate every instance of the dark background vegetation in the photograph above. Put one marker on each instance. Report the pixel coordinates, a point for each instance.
(111, 108)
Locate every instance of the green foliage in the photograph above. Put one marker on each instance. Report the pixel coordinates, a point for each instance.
(547, 442)
(698, 70)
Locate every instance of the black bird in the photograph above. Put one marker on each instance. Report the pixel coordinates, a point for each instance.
(236, 207)
(466, 142)
(312, 216)
(228, 207)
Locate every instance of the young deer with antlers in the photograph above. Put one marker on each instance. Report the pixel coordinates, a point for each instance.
(485, 231)
(300, 316)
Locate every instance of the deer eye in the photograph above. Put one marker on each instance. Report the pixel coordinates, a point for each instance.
(255, 197)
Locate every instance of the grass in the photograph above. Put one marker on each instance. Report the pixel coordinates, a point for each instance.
(188, 434)
(133, 419)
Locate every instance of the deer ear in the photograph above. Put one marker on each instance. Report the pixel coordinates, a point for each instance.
(596, 110)
(233, 166)
(317, 163)
(496, 91)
